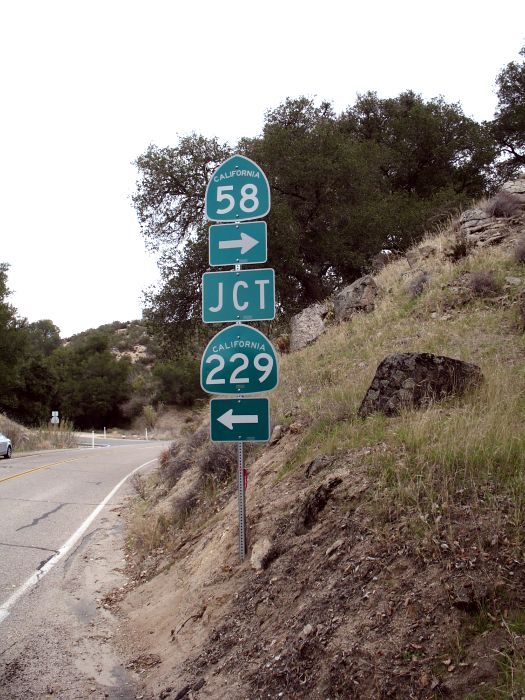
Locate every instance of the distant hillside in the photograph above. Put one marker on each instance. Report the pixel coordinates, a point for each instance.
(125, 339)
(155, 382)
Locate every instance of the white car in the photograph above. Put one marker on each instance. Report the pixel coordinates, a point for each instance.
(5, 446)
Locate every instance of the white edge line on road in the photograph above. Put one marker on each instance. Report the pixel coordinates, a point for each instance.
(38, 575)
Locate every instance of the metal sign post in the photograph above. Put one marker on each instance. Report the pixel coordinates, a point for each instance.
(239, 360)
(242, 500)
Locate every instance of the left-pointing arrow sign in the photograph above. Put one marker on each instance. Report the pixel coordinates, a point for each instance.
(240, 420)
(242, 243)
(229, 419)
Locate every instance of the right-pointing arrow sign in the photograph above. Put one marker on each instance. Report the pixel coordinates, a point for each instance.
(238, 244)
(240, 420)
(229, 420)
(244, 243)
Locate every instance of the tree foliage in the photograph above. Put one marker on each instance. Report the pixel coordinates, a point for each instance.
(43, 338)
(169, 199)
(178, 381)
(12, 347)
(91, 383)
(27, 386)
(343, 188)
(427, 146)
(509, 122)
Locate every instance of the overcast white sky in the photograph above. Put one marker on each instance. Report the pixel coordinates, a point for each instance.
(87, 85)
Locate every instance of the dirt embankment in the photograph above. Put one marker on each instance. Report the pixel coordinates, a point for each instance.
(346, 600)
(393, 568)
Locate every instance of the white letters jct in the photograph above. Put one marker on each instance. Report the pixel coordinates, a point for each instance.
(240, 300)
(214, 309)
(239, 307)
(261, 284)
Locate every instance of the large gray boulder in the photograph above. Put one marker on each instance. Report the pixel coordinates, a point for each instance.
(308, 325)
(474, 220)
(413, 379)
(361, 295)
(516, 188)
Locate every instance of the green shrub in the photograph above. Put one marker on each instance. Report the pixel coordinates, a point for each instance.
(178, 381)
(150, 416)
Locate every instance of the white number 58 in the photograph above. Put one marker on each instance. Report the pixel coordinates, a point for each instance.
(221, 196)
(248, 202)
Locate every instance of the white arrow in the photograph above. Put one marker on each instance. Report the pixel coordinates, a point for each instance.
(245, 243)
(229, 420)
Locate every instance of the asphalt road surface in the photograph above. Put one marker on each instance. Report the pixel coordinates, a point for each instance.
(60, 546)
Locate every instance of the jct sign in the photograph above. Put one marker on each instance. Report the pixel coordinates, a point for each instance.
(247, 295)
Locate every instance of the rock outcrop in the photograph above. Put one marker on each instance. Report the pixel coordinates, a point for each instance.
(516, 187)
(481, 229)
(361, 295)
(474, 220)
(413, 379)
(308, 325)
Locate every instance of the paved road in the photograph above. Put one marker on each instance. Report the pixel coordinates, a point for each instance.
(50, 504)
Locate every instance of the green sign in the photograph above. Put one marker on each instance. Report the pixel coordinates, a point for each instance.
(240, 420)
(237, 191)
(238, 244)
(240, 295)
(239, 360)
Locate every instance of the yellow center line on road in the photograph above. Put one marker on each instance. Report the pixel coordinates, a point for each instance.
(37, 469)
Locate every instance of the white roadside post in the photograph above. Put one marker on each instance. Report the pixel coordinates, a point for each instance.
(93, 439)
(237, 192)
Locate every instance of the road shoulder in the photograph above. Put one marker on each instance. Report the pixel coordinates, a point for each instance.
(73, 655)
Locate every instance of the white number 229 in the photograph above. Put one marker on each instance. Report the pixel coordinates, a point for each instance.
(263, 363)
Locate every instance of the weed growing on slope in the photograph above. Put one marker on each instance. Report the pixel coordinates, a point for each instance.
(503, 205)
(519, 251)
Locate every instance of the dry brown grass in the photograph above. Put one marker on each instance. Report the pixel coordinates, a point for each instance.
(475, 442)
(193, 475)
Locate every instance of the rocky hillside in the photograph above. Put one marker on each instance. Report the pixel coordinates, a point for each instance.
(386, 549)
(126, 339)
